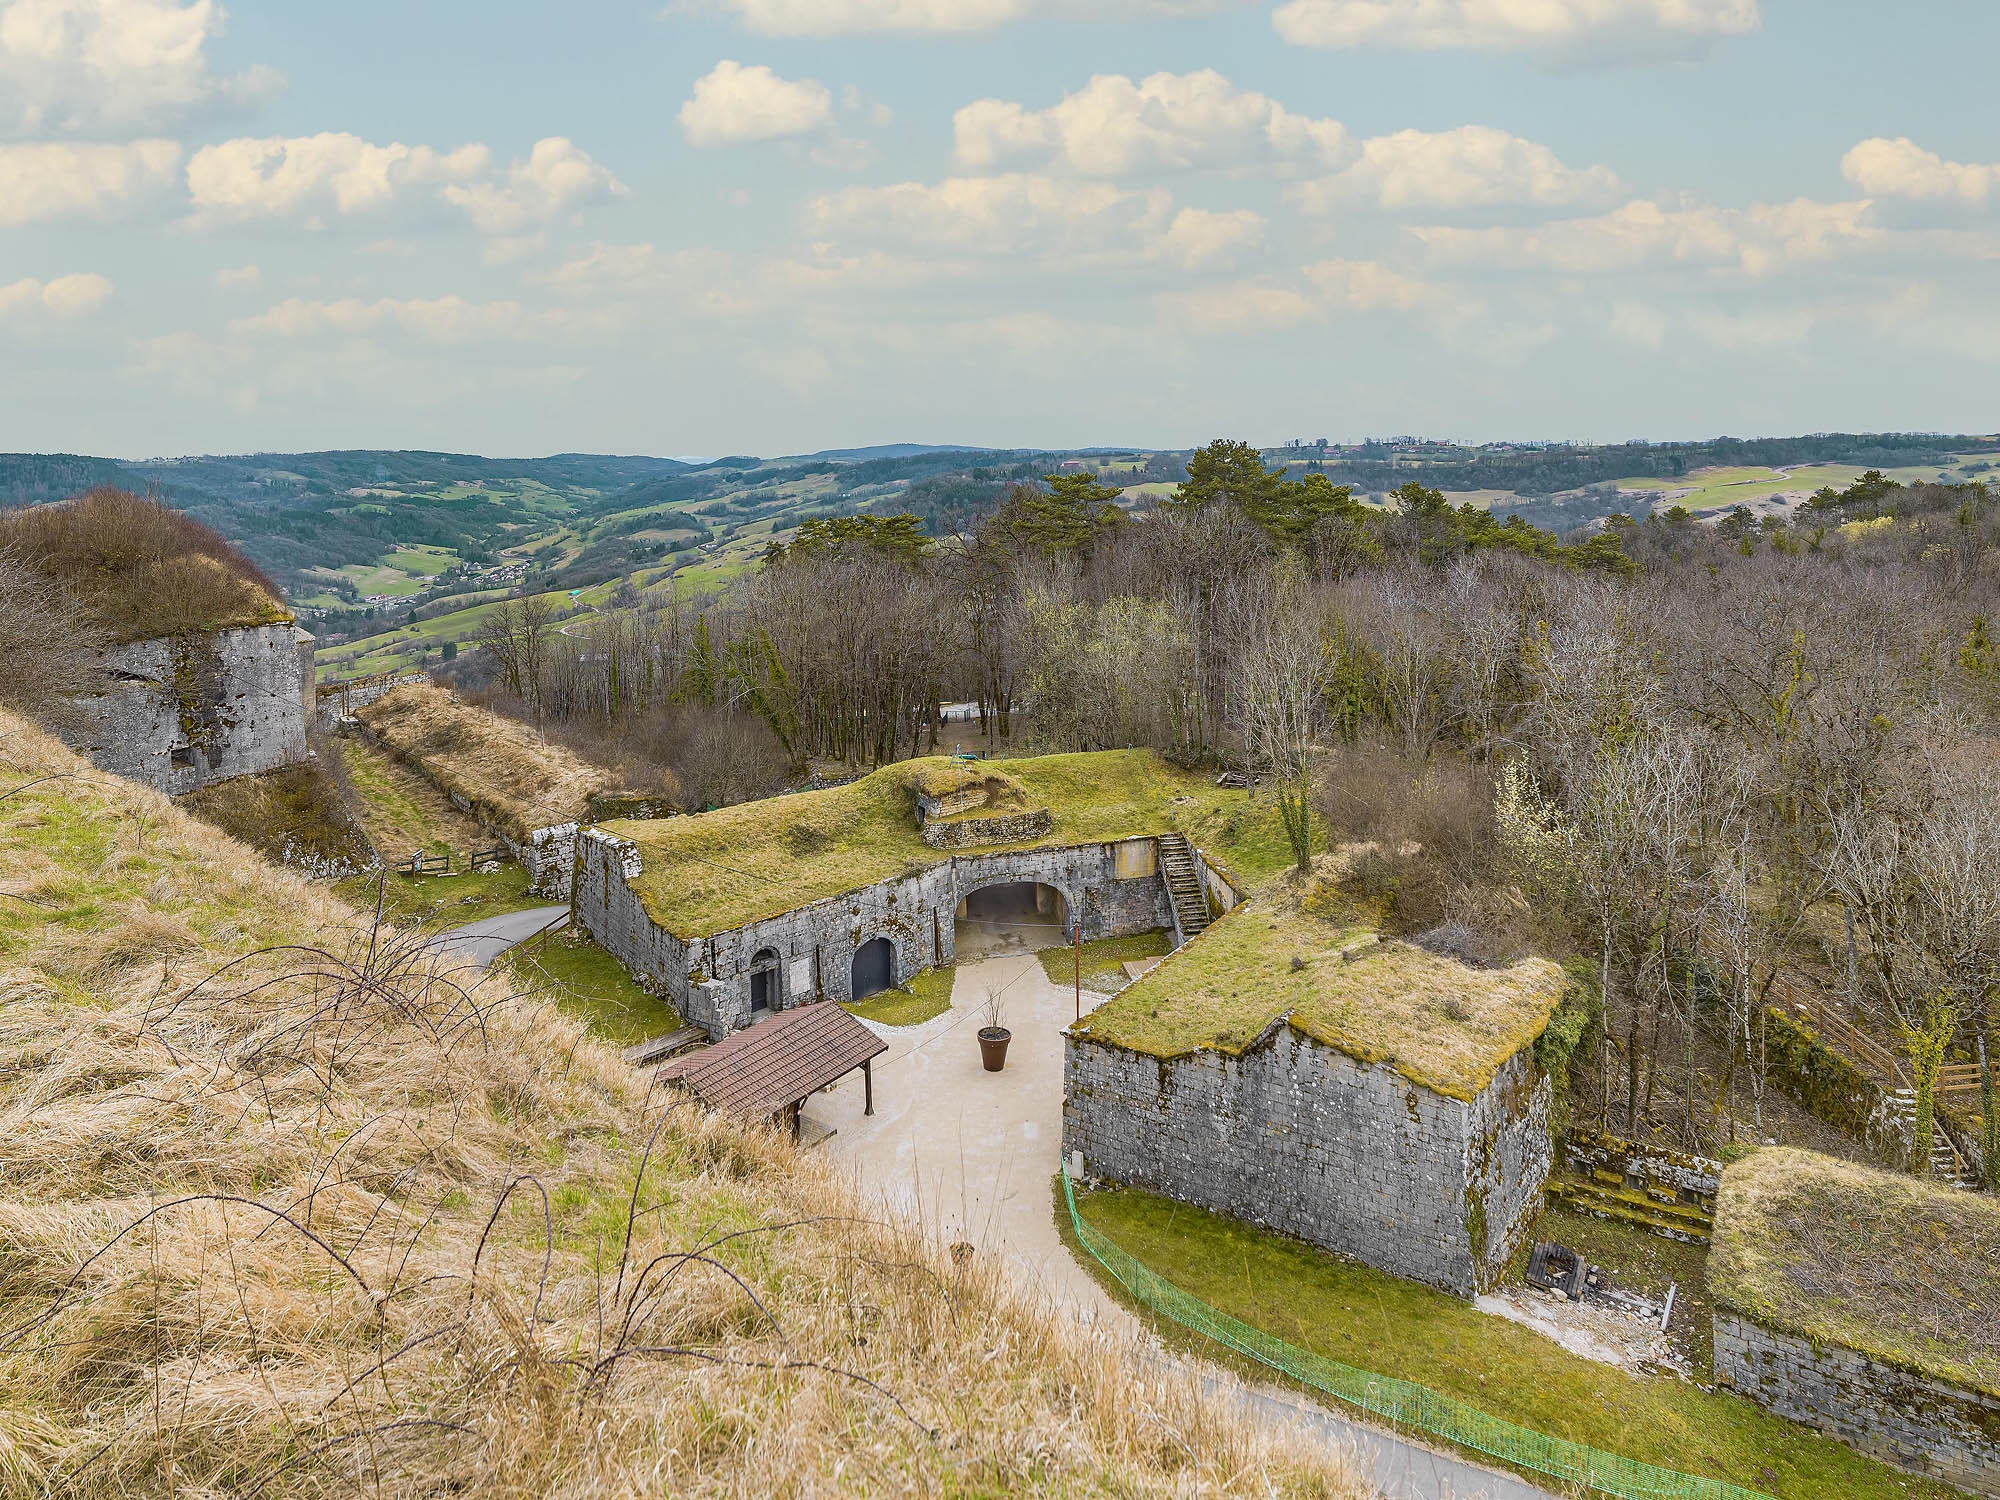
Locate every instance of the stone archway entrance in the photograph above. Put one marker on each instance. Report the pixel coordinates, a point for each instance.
(1020, 916)
(874, 968)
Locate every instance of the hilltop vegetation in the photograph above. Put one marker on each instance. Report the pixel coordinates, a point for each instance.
(292, 1208)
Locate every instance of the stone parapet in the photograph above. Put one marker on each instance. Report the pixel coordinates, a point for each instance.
(1007, 828)
(1915, 1422)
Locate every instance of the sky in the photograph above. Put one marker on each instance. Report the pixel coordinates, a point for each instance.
(772, 226)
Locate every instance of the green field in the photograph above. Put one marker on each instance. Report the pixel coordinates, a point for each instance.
(926, 997)
(1352, 1313)
(1707, 489)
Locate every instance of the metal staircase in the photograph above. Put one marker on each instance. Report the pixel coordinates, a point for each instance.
(1184, 884)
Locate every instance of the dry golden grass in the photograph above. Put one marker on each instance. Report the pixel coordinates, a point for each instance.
(1905, 1270)
(1438, 1022)
(512, 779)
(289, 1208)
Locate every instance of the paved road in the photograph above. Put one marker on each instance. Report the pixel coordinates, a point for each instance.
(482, 942)
(967, 1154)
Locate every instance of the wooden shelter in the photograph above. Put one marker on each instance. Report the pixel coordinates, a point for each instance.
(770, 1069)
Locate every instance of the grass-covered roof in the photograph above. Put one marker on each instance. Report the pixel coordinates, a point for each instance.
(1898, 1268)
(1439, 1022)
(141, 569)
(719, 870)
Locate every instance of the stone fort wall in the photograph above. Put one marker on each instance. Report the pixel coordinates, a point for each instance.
(180, 712)
(1913, 1421)
(708, 978)
(1306, 1140)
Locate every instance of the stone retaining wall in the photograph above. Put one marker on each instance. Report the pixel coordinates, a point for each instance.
(180, 712)
(1918, 1423)
(708, 978)
(1007, 828)
(1304, 1139)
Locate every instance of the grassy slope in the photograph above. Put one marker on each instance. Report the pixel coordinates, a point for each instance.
(401, 812)
(475, 1191)
(591, 985)
(1438, 1022)
(1907, 1271)
(1366, 1318)
(719, 870)
(512, 778)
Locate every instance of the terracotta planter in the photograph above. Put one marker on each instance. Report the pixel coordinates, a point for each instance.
(993, 1042)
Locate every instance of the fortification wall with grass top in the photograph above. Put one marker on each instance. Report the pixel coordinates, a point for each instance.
(708, 978)
(1926, 1425)
(180, 712)
(1300, 1137)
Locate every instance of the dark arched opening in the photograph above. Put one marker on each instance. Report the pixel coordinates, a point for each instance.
(764, 980)
(1021, 915)
(874, 968)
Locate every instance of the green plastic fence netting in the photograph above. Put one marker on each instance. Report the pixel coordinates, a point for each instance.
(1398, 1401)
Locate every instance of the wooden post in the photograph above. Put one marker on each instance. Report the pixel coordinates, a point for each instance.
(1079, 966)
(797, 1124)
(868, 1086)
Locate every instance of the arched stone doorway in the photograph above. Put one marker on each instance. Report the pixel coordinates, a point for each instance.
(766, 982)
(1017, 916)
(874, 968)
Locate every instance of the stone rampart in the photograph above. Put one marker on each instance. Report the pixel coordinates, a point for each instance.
(708, 978)
(180, 712)
(1297, 1136)
(1918, 1423)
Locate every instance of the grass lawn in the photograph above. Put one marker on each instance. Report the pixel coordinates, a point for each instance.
(1362, 1317)
(443, 901)
(926, 997)
(587, 982)
(1101, 959)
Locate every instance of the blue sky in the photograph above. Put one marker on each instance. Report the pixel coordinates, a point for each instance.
(776, 225)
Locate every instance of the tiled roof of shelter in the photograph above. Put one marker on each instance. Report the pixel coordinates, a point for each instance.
(756, 1072)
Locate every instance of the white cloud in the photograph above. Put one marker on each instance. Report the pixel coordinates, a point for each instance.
(1001, 215)
(276, 177)
(94, 67)
(230, 277)
(309, 178)
(443, 320)
(849, 17)
(1472, 166)
(556, 178)
(1572, 30)
(1903, 169)
(1199, 238)
(1643, 235)
(1167, 121)
(59, 180)
(65, 297)
(734, 105)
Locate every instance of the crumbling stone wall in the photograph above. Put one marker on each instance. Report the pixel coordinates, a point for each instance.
(1302, 1138)
(179, 712)
(1916, 1422)
(1006, 828)
(708, 978)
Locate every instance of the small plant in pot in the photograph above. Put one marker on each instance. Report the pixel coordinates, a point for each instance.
(993, 1037)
